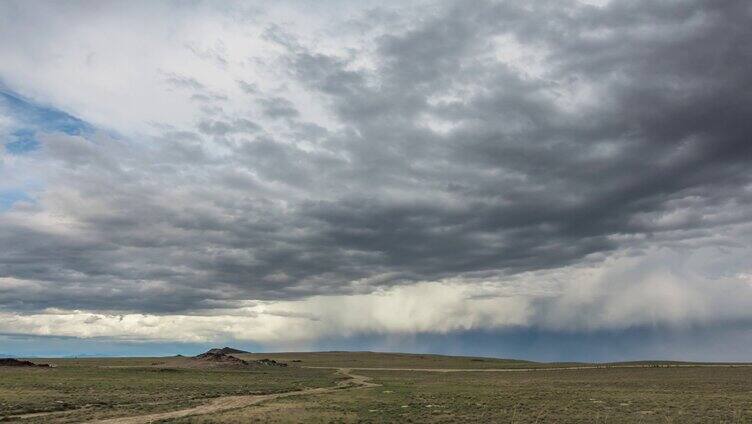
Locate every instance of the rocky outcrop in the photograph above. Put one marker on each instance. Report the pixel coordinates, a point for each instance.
(220, 358)
(270, 363)
(11, 362)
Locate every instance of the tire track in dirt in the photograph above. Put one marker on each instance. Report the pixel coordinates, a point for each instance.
(11, 418)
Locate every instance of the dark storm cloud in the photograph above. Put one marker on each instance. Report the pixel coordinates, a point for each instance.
(635, 128)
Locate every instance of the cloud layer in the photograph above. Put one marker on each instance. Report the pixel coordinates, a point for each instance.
(435, 168)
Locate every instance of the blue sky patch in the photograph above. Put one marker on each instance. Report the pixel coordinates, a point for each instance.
(9, 197)
(31, 118)
(23, 141)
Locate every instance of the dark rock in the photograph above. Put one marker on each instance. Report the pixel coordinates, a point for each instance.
(215, 356)
(270, 363)
(219, 356)
(11, 362)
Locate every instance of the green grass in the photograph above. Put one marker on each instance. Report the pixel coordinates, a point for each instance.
(616, 395)
(660, 393)
(135, 388)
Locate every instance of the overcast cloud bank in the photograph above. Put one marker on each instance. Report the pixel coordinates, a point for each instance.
(285, 173)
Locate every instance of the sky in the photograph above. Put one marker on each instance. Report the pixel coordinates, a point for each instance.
(548, 180)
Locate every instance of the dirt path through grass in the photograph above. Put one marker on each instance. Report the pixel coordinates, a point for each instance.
(232, 402)
(225, 403)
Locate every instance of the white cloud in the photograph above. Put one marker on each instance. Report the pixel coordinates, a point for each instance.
(110, 65)
(423, 307)
(290, 171)
(656, 290)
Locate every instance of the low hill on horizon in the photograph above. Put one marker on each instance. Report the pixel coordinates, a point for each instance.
(225, 351)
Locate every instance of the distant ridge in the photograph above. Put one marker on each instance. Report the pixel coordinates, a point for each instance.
(225, 351)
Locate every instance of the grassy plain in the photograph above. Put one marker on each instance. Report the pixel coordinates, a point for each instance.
(526, 393)
(616, 395)
(98, 388)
